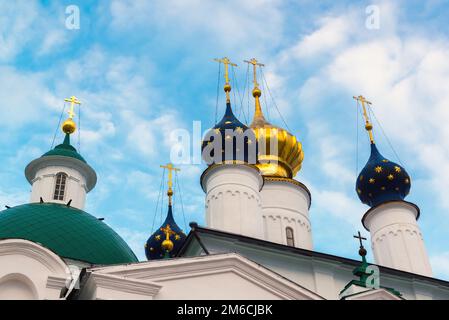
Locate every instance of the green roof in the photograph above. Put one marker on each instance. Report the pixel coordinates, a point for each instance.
(67, 231)
(65, 149)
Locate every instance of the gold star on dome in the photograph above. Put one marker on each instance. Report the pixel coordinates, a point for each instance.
(390, 177)
(384, 160)
(382, 188)
(239, 130)
(359, 191)
(397, 169)
(145, 245)
(361, 177)
(177, 237)
(151, 249)
(378, 169)
(407, 180)
(372, 180)
(158, 237)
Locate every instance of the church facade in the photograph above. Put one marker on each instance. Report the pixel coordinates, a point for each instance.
(257, 242)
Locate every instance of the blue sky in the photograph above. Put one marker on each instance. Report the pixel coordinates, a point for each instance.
(144, 68)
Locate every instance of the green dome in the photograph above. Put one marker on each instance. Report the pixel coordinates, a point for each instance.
(65, 149)
(69, 232)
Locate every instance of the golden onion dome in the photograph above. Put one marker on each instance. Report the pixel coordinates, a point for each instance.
(287, 160)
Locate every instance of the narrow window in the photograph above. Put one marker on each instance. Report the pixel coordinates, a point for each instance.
(290, 236)
(61, 178)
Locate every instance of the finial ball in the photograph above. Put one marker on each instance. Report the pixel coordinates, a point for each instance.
(167, 245)
(257, 92)
(227, 87)
(369, 126)
(69, 126)
(362, 252)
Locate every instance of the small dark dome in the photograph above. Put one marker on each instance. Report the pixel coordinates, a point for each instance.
(235, 141)
(166, 241)
(381, 180)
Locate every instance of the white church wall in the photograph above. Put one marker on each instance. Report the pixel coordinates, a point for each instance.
(45, 181)
(396, 238)
(233, 200)
(285, 204)
(233, 277)
(325, 277)
(30, 271)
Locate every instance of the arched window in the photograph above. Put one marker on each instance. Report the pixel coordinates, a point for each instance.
(61, 178)
(290, 236)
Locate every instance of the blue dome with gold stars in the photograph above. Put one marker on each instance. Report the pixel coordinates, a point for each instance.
(166, 241)
(234, 140)
(381, 180)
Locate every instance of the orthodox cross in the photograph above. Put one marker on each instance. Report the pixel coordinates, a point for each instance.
(359, 236)
(368, 124)
(227, 86)
(168, 231)
(255, 63)
(170, 169)
(362, 250)
(73, 100)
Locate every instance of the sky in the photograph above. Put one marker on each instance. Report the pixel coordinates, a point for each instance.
(144, 69)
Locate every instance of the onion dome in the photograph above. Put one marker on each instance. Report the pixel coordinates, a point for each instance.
(229, 141)
(69, 232)
(166, 241)
(284, 162)
(382, 180)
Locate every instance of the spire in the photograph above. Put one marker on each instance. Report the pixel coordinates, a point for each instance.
(168, 238)
(170, 169)
(69, 126)
(258, 114)
(368, 124)
(227, 85)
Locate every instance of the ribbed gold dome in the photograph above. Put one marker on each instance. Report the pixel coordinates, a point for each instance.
(287, 161)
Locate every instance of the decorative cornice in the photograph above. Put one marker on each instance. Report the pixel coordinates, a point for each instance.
(214, 264)
(231, 165)
(117, 283)
(57, 283)
(371, 210)
(86, 170)
(291, 181)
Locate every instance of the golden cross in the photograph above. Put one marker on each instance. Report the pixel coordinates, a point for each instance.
(170, 169)
(226, 63)
(227, 86)
(73, 100)
(368, 124)
(168, 231)
(255, 63)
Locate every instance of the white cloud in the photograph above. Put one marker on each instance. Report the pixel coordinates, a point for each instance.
(231, 24)
(406, 77)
